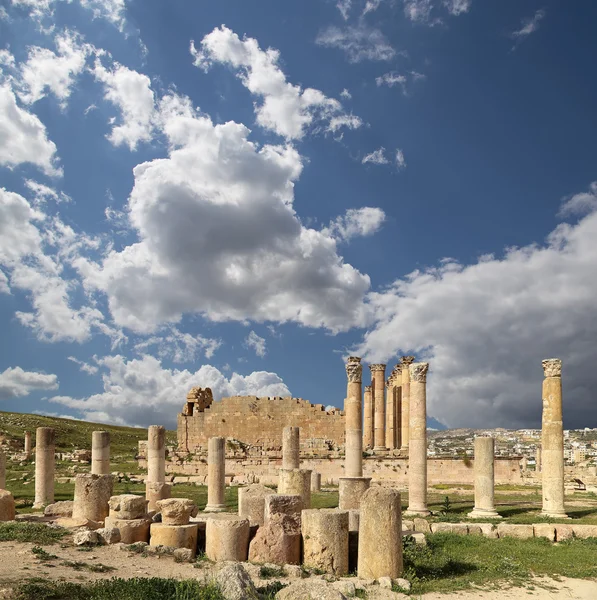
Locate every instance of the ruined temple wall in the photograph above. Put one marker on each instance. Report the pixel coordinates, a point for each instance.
(260, 421)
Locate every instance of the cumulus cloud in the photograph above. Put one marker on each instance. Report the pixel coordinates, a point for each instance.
(356, 222)
(580, 204)
(15, 382)
(358, 42)
(43, 193)
(457, 7)
(257, 343)
(141, 392)
(486, 326)
(180, 347)
(286, 109)
(219, 209)
(528, 26)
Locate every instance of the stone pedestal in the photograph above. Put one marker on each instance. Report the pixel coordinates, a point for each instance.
(92, 496)
(45, 448)
(100, 453)
(380, 534)
(176, 511)
(368, 418)
(552, 441)
(417, 450)
(7, 506)
(251, 503)
(155, 491)
(315, 482)
(28, 445)
(216, 475)
(351, 489)
(131, 530)
(405, 362)
(227, 538)
(128, 506)
(378, 380)
(325, 540)
(295, 482)
(291, 448)
(484, 479)
(174, 536)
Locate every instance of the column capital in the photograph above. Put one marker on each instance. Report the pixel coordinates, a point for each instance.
(552, 367)
(354, 369)
(418, 372)
(368, 388)
(378, 367)
(407, 360)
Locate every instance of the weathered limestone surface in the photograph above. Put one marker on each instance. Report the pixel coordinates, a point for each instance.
(251, 503)
(59, 509)
(174, 536)
(351, 491)
(100, 453)
(28, 444)
(156, 454)
(291, 446)
(325, 540)
(227, 538)
(92, 496)
(552, 440)
(155, 491)
(177, 511)
(484, 479)
(353, 451)
(405, 361)
(315, 482)
(277, 542)
(380, 534)
(378, 380)
(45, 447)
(216, 475)
(538, 467)
(277, 504)
(131, 530)
(545, 530)
(7, 506)
(128, 506)
(368, 418)
(295, 482)
(259, 422)
(522, 532)
(417, 453)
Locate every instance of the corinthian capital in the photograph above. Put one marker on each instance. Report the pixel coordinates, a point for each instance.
(418, 372)
(407, 360)
(552, 367)
(354, 369)
(377, 368)
(368, 388)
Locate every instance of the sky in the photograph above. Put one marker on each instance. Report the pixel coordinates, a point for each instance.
(239, 195)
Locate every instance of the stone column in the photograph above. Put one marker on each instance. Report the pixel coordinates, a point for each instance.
(353, 484)
(295, 482)
(538, 460)
(28, 444)
(484, 479)
(552, 440)
(325, 540)
(380, 534)
(45, 447)
(291, 447)
(378, 375)
(398, 410)
(92, 496)
(216, 474)
(390, 415)
(155, 486)
(100, 453)
(2, 470)
(405, 362)
(417, 450)
(315, 482)
(368, 425)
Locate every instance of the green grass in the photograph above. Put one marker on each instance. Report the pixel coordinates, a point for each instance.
(37, 533)
(451, 562)
(268, 572)
(122, 589)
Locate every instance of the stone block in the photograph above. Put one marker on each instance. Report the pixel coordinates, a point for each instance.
(7, 506)
(184, 555)
(128, 506)
(174, 536)
(59, 509)
(87, 537)
(309, 590)
(283, 505)
(584, 531)
(545, 530)
(421, 525)
(522, 532)
(72, 523)
(251, 503)
(132, 531)
(109, 535)
(176, 511)
(227, 538)
(489, 530)
(325, 540)
(92, 495)
(277, 542)
(564, 532)
(234, 583)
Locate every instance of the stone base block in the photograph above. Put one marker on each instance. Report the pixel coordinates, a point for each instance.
(155, 492)
(545, 530)
(295, 482)
(278, 504)
(585, 531)
(553, 515)
(7, 506)
(227, 538)
(413, 512)
(131, 530)
(128, 506)
(351, 490)
(479, 513)
(215, 508)
(522, 532)
(251, 503)
(564, 532)
(325, 540)
(174, 536)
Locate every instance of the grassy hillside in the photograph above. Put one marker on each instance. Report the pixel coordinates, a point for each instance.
(73, 435)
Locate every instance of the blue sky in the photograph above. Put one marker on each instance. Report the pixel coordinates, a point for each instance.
(238, 195)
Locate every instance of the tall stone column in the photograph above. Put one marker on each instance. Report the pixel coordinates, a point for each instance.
(216, 474)
(538, 460)
(368, 425)
(354, 484)
(398, 410)
(100, 453)
(2, 470)
(552, 440)
(390, 416)
(405, 362)
(28, 444)
(484, 479)
(378, 376)
(291, 447)
(417, 449)
(156, 487)
(45, 448)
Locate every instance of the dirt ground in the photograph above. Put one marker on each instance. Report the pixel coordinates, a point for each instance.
(18, 563)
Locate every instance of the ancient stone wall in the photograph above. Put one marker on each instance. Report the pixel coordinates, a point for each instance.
(259, 422)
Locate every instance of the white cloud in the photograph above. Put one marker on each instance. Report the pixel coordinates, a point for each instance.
(84, 366)
(580, 204)
(257, 343)
(358, 42)
(418, 10)
(141, 392)
(286, 109)
(219, 210)
(344, 7)
(23, 137)
(4, 286)
(457, 7)
(486, 326)
(53, 71)
(371, 6)
(377, 157)
(43, 193)
(400, 162)
(131, 93)
(391, 79)
(15, 382)
(356, 222)
(178, 346)
(345, 94)
(528, 26)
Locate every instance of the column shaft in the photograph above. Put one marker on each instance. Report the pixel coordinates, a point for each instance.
(100, 453)
(378, 376)
(2, 470)
(398, 414)
(156, 454)
(291, 447)
(353, 451)
(45, 448)
(390, 417)
(28, 444)
(405, 361)
(216, 475)
(484, 479)
(368, 426)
